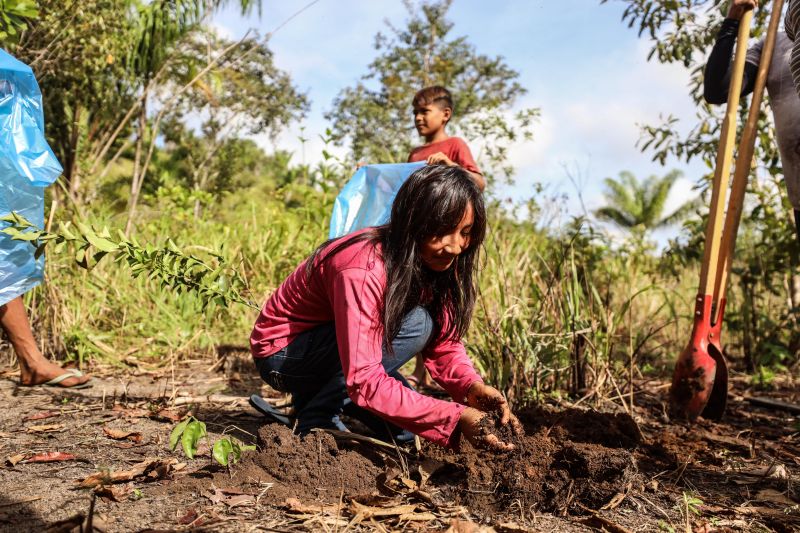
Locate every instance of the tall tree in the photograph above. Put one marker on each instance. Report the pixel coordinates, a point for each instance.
(639, 205)
(98, 63)
(246, 94)
(374, 115)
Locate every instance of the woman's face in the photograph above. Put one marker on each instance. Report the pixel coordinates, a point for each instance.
(440, 251)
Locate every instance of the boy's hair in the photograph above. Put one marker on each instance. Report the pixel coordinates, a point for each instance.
(434, 95)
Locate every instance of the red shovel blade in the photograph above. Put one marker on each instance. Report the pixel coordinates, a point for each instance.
(700, 380)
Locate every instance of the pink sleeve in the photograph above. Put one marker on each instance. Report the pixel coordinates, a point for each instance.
(463, 157)
(355, 295)
(448, 363)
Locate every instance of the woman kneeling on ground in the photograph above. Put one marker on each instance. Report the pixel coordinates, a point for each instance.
(338, 329)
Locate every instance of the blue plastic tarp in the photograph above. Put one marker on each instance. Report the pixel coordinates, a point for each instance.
(366, 200)
(27, 166)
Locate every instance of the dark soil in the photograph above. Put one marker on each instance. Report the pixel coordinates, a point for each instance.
(566, 460)
(315, 467)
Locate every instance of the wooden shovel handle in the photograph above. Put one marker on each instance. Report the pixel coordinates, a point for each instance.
(744, 159)
(722, 171)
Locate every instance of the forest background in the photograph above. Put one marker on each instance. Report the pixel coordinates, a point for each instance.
(153, 113)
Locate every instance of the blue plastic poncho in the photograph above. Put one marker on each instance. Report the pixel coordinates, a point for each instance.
(27, 166)
(367, 198)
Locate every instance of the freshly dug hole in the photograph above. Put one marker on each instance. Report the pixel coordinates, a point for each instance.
(566, 458)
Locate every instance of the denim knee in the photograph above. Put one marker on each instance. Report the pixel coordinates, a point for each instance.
(419, 325)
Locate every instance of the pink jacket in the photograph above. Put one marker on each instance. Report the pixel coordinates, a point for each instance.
(347, 289)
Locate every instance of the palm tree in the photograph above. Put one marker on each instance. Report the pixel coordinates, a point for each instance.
(635, 205)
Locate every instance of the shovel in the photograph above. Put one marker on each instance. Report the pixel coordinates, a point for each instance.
(700, 380)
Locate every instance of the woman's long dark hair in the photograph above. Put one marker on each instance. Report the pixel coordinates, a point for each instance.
(431, 202)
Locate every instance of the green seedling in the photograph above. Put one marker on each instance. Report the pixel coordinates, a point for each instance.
(213, 282)
(228, 451)
(188, 433)
(225, 451)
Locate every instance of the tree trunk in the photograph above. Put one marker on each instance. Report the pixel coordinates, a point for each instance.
(578, 364)
(138, 170)
(748, 326)
(70, 165)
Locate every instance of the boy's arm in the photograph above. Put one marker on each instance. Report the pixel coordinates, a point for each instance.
(479, 180)
(717, 78)
(463, 159)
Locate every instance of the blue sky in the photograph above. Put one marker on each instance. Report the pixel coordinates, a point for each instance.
(581, 65)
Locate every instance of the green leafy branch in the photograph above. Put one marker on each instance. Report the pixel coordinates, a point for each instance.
(183, 273)
(225, 451)
(14, 16)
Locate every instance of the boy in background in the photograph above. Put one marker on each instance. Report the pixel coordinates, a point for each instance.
(433, 108)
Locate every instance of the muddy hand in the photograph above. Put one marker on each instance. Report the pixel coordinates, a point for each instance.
(486, 398)
(476, 430)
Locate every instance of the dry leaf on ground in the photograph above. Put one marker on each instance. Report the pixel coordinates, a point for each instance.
(44, 428)
(116, 493)
(231, 498)
(189, 518)
(366, 512)
(12, 460)
(50, 457)
(774, 496)
(293, 505)
(121, 434)
(150, 468)
(468, 526)
(170, 414)
(41, 415)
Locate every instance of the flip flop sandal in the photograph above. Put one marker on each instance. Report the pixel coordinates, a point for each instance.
(69, 373)
(265, 408)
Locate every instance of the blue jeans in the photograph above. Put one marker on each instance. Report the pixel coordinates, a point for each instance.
(310, 369)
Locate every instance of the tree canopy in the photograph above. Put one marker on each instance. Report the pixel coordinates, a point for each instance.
(375, 117)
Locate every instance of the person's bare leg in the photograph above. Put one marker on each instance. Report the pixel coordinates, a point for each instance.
(34, 368)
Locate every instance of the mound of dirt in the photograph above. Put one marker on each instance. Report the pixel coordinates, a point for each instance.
(314, 467)
(566, 459)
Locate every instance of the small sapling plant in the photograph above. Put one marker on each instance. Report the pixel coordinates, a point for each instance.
(225, 450)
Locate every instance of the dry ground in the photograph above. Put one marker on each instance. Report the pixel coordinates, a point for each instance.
(575, 471)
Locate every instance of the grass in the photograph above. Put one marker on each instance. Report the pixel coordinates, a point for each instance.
(560, 311)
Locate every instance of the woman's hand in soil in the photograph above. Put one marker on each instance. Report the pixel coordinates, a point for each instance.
(489, 399)
(475, 426)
